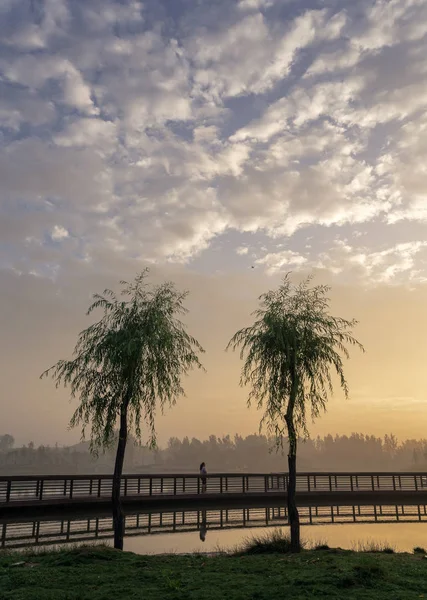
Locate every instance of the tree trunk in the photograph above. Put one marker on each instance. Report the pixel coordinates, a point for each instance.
(293, 515)
(118, 518)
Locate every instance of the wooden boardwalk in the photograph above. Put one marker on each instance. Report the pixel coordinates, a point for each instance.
(27, 493)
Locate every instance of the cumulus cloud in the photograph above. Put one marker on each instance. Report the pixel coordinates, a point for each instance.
(284, 261)
(59, 233)
(149, 132)
(402, 262)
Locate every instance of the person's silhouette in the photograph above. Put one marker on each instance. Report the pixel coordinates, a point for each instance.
(203, 473)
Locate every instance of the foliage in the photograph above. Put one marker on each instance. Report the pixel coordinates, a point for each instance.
(97, 574)
(138, 350)
(374, 546)
(223, 454)
(7, 442)
(293, 342)
(275, 541)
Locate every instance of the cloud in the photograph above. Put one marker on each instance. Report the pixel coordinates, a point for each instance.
(252, 55)
(150, 132)
(284, 261)
(36, 72)
(250, 5)
(87, 132)
(59, 233)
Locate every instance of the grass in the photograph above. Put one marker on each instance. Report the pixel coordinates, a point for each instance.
(274, 542)
(374, 546)
(101, 573)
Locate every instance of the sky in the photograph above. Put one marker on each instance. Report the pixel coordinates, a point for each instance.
(221, 143)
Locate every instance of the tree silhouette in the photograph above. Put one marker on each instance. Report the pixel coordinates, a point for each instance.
(289, 353)
(125, 363)
(7, 442)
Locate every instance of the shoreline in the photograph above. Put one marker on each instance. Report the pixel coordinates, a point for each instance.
(98, 572)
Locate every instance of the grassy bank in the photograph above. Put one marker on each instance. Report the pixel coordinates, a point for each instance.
(104, 574)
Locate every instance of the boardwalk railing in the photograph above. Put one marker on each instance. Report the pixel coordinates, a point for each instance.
(36, 489)
(20, 534)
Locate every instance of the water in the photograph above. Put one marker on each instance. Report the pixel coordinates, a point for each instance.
(403, 537)
(402, 527)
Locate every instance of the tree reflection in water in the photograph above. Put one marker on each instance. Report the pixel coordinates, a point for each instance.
(24, 532)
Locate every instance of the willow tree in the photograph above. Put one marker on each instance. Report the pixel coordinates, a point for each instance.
(125, 365)
(290, 353)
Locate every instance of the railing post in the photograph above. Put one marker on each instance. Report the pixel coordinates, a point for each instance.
(351, 483)
(220, 485)
(139, 485)
(183, 485)
(416, 483)
(243, 483)
(3, 535)
(174, 486)
(41, 490)
(394, 483)
(71, 488)
(372, 483)
(330, 483)
(126, 486)
(266, 483)
(8, 490)
(308, 483)
(90, 487)
(150, 490)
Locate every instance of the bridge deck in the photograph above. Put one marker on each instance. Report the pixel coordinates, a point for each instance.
(26, 492)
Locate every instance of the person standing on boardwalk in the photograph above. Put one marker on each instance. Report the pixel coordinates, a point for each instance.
(203, 473)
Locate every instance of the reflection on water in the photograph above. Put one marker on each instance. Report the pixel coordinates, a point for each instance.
(203, 526)
(177, 531)
(401, 536)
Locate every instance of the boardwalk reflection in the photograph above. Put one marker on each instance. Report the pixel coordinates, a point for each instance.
(20, 533)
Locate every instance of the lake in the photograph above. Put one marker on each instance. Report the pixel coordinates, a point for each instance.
(402, 527)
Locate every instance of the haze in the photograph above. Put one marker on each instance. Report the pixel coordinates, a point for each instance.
(222, 144)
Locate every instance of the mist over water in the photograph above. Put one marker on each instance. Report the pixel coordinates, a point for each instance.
(229, 453)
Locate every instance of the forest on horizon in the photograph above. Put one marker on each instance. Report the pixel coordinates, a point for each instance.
(256, 453)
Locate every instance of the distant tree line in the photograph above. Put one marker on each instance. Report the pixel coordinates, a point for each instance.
(227, 453)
